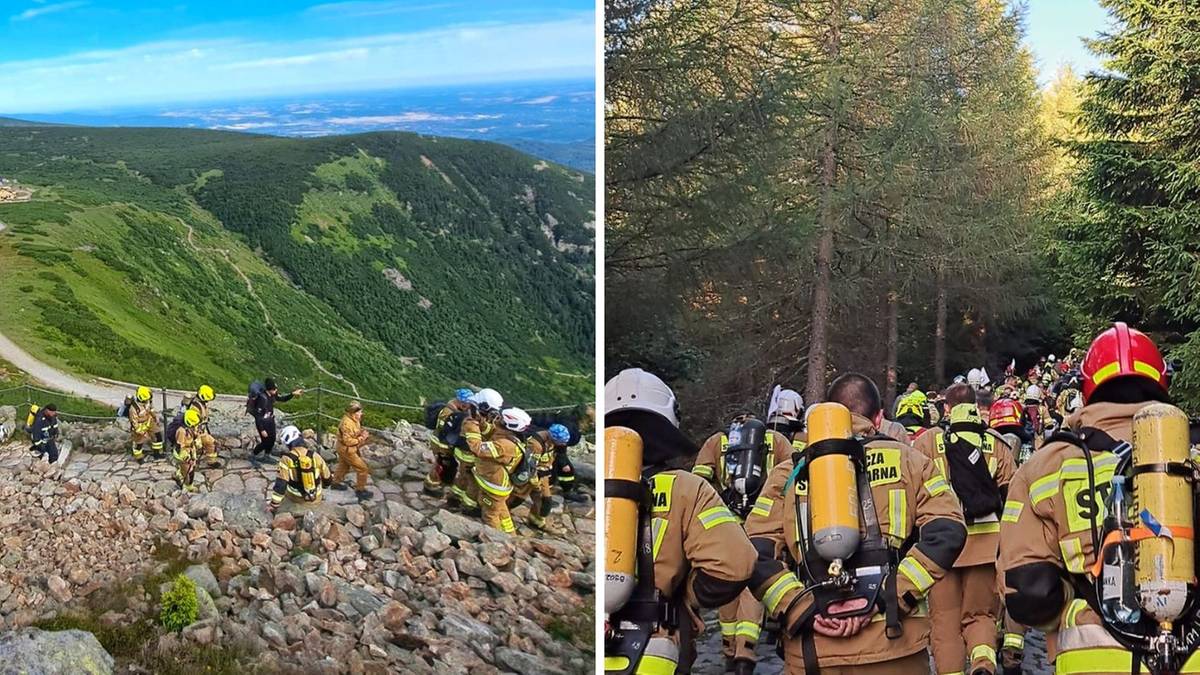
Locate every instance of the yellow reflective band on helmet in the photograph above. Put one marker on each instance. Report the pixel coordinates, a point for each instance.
(936, 486)
(1106, 372)
(912, 569)
(703, 470)
(1147, 370)
(729, 628)
(655, 665)
(898, 514)
(1043, 488)
(984, 653)
(1014, 641)
(715, 516)
(785, 584)
(762, 507)
(748, 630)
(1072, 554)
(1012, 511)
(983, 528)
(658, 527)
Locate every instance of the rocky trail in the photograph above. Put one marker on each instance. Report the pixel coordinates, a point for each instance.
(396, 583)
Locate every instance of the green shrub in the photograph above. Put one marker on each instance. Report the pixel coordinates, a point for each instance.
(180, 608)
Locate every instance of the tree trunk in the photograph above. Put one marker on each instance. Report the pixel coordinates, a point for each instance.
(939, 332)
(822, 304)
(893, 346)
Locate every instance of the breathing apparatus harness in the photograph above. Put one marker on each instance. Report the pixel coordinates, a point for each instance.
(1163, 653)
(869, 574)
(630, 628)
(744, 464)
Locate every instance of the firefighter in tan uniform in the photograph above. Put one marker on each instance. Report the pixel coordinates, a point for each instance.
(495, 461)
(912, 501)
(476, 429)
(1046, 548)
(700, 555)
(187, 450)
(350, 440)
(199, 403)
(143, 425)
(303, 475)
(445, 466)
(545, 445)
(741, 620)
(965, 605)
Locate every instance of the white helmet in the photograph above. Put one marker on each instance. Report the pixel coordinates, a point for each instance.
(1050, 358)
(289, 435)
(635, 389)
(515, 419)
(788, 403)
(976, 378)
(488, 399)
(1034, 392)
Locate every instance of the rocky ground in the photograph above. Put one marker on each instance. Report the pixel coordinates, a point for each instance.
(710, 661)
(396, 583)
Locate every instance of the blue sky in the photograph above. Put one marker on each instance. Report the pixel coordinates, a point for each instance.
(70, 54)
(1055, 30)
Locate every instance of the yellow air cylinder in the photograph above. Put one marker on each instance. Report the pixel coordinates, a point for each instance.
(1164, 564)
(832, 486)
(623, 462)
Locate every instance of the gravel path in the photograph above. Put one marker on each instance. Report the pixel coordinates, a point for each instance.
(56, 379)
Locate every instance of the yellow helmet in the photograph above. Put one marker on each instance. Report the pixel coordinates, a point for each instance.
(191, 418)
(914, 403)
(206, 393)
(143, 394)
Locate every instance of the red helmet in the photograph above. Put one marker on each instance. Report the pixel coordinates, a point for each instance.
(1121, 351)
(1005, 413)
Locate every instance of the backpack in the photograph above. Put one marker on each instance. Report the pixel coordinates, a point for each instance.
(431, 414)
(256, 390)
(123, 410)
(175, 424)
(970, 476)
(527, 465)
(305, 480)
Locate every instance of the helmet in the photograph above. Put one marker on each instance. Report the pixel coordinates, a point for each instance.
(1005, 413)
(1050, 358)
(1121, 351)
(488, 399)
(515, 419)
(1034, 392)
(635, 389)
(143, 394)
(463, 395)
(959, 379)
(788, 403)
(559, 434)
(191, 418)
(289, 435)
(976, 377)
(206, 393)
(913, 404)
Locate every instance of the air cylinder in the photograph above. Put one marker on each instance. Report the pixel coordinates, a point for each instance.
(832, 486)
(622, 462)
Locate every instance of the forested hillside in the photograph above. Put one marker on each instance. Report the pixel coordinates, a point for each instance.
(799, 189)
(404, 264)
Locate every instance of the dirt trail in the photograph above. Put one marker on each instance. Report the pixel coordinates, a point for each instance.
(191, 233)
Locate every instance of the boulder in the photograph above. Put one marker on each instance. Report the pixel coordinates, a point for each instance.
(203, 577)
(67, 652)
(458, 527)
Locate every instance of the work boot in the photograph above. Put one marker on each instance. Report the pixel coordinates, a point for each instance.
(434, 489)
(255, 461)
(472, 512)
(340, 486)
(363, 495)
(743, 667)
(575, 496)
(214, 464)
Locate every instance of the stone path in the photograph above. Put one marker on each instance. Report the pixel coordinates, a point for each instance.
(709, 660)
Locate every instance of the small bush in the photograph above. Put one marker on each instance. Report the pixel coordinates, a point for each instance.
(180, 608)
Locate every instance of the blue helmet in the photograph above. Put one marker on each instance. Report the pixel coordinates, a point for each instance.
(559, 434)
(463, 395)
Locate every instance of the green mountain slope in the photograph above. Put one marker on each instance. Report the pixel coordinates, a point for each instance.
(404, 264)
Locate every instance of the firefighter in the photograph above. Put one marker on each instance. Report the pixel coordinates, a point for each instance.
(912, 412)
(786, 413)
(741, 620)
(187, 450)
(442, 442)
(199, 403)
(965, 605)
(1046, 536)
(303, 473)
(496, 459)
(351, 437)
(144, 427)
(699, 556)
(910, 498)
(544, 444)
(43, 432)
(477, 428)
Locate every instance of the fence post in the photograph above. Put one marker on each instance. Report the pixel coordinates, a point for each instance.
(163, 433)
(320, 389)
(28, 395)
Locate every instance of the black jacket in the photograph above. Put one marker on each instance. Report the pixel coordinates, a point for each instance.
(45, 429)
(264, 406)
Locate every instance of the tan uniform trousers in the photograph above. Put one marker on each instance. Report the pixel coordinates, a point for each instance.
(741, 623)
(913, 664)
(348, 457)
(963, 610)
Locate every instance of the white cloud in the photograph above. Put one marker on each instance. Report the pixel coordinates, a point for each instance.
(404, 118)
(542, 100)
(34, 12)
